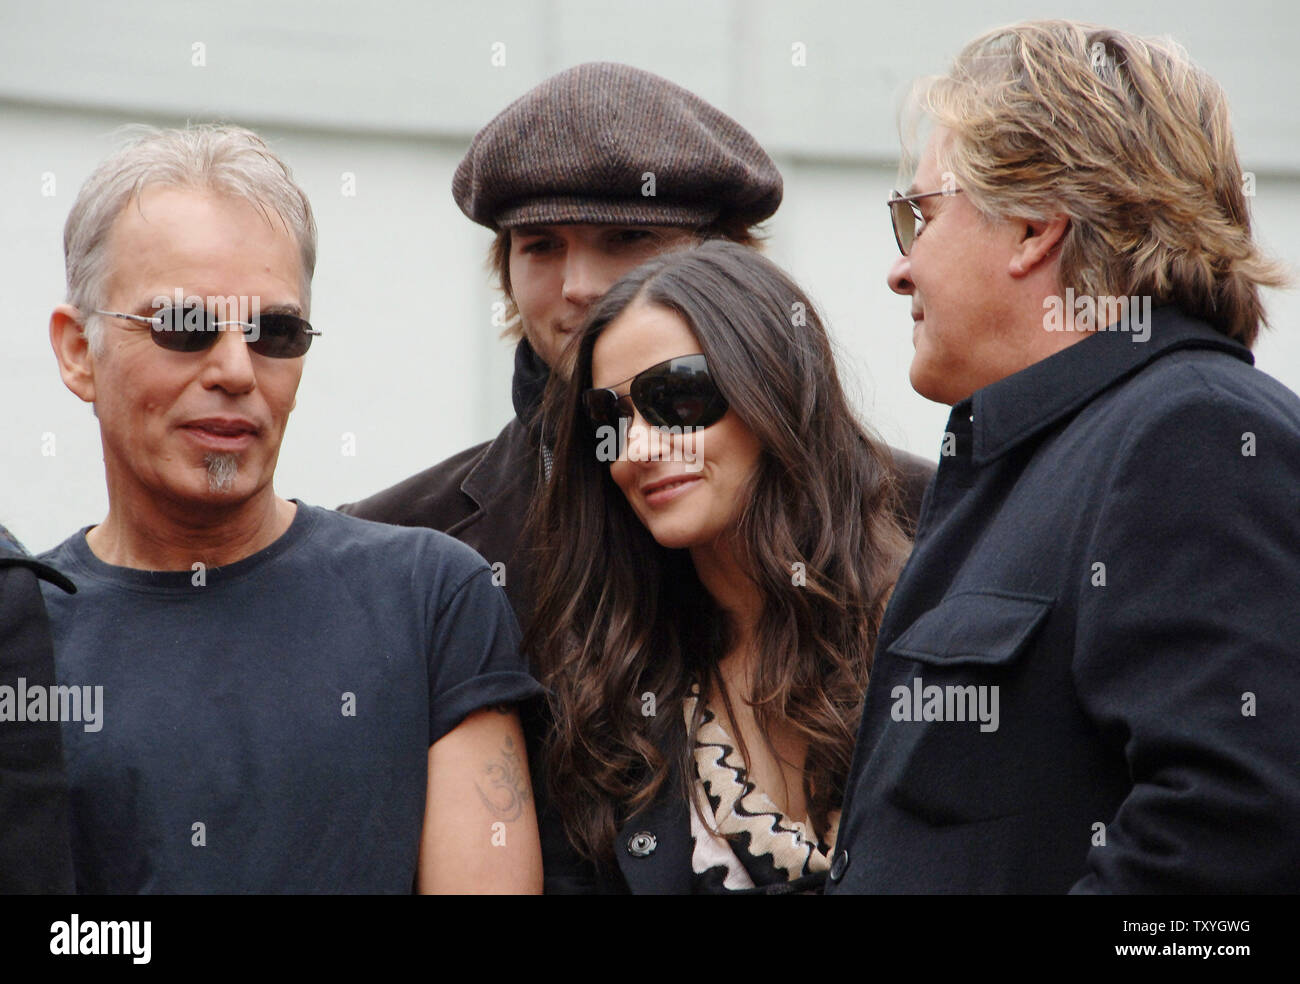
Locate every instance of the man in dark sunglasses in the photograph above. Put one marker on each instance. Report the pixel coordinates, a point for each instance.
(288, 691)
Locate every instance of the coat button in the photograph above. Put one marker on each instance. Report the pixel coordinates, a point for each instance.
(839, 865)
(641, 844)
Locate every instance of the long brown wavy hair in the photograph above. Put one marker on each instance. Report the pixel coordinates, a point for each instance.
(623, 626)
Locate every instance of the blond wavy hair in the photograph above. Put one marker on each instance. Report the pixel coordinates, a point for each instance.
(1125, 136)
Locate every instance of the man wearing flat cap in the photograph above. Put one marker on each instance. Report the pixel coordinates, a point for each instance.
(583, 178)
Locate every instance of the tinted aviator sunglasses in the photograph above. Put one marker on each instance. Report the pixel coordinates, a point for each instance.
(676, 393)
(194, 328)
(907, 216)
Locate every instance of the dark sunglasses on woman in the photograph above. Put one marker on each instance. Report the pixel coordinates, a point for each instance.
(194, 329)
(676, 393)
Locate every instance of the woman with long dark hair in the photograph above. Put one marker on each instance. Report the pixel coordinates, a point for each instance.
(717, 543)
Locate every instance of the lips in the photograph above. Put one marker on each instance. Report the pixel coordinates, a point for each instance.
(667, 489)
(223, 426)
(222, 433)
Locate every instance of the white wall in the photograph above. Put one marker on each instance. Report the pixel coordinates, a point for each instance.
(393, 92)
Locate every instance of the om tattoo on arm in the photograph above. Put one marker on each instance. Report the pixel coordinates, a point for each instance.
(503, 785)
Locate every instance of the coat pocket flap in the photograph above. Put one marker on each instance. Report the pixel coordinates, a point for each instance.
(973, 627)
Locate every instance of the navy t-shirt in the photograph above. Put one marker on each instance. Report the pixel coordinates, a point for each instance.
(265, 725)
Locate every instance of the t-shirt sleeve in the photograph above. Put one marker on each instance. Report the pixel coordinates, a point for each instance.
(474, 658)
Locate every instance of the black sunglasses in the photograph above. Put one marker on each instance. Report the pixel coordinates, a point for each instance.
(193, 328)
(676, 393)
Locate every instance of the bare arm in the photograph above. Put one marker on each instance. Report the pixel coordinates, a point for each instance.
(480, 823)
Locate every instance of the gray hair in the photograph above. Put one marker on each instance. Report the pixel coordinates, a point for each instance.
(226, 159)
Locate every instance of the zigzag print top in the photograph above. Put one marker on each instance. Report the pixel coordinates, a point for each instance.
(760, 851)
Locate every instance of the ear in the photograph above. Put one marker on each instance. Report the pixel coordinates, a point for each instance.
(75, 363)
(1038, 244)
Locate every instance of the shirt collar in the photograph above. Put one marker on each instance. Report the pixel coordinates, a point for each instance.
(1015, 409)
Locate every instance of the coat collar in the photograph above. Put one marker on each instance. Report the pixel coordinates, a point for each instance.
(1013, 410)
(529, 382)
(12, 554)
(509, 463)
(515, 455)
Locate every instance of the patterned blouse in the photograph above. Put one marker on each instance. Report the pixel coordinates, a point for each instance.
(756, 849)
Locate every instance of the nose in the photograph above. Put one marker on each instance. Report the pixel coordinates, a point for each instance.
(638, 439)
(900, 276)
(644, 442)
(228, 364)
(583, 283)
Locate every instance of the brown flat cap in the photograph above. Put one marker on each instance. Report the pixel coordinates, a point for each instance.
(578, 146)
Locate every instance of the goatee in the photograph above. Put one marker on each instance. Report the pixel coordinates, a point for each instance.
(222, 471)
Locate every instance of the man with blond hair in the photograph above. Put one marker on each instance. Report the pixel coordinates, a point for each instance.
(1087, 677)
(294, 700)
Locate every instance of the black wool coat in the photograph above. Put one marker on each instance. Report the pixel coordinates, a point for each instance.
(35, 832)
(1111, 548)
